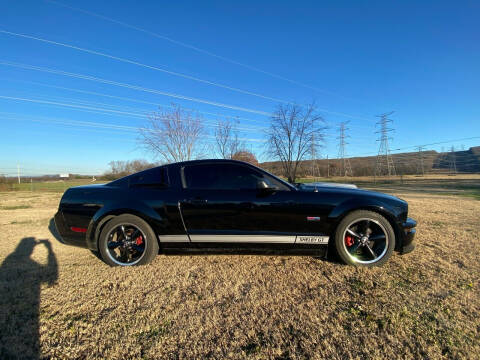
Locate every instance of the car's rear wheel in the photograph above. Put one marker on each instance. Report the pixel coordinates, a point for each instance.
(127, 240)
(364, 238)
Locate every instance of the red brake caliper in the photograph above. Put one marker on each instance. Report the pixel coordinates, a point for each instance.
(349, 240)
(139, 240)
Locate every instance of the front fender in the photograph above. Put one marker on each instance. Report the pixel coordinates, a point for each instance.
(106, 213)
(347, 206)
(391, 213)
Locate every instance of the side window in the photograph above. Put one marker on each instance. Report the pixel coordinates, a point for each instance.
(156, 177)
(221, 177)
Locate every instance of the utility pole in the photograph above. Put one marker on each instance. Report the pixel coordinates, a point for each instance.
(384, 163)
(18, 173)
(315, 169)
(452, 164)
(420, 160)
(346, 169)
(328, 167)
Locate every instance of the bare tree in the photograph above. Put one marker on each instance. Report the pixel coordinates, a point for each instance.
(227, 141)
(173, 135)
(294, 132)
(245, 155)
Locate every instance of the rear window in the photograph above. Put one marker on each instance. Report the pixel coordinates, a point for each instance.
(156, 177)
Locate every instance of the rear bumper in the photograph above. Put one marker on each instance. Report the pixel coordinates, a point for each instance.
(409, 232)
(68, 236)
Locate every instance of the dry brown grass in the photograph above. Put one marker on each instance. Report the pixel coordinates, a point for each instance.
(422, 305)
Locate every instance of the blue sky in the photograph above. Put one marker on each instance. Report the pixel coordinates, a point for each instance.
(355, 59)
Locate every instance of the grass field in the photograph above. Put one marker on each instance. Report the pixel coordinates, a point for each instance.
(444, 184)
(49, 186)
(61, 302)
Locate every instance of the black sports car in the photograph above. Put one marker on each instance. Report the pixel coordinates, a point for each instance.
(230, 206)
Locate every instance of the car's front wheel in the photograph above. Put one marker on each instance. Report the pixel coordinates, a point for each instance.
(127, 240)
(364, 238)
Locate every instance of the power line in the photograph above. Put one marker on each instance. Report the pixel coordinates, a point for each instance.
(156, 68)
(145, 111)
(143, 89)
(107, 111)
(86, 106)
(133, 87)
(206, 52)
(151, 67)
(69, 122)
(384, 162)
(81, 91)
(424, 145)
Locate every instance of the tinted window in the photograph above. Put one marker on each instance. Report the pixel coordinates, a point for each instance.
(223, 177)
(152, 177)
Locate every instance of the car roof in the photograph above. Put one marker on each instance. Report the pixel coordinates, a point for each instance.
(209, 161)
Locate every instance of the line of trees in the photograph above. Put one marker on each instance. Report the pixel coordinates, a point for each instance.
(119, 169)
(177, 134)
(296, 134)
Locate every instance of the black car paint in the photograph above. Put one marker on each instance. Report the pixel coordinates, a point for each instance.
(213, 212)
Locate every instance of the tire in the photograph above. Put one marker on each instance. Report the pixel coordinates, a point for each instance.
(368, 247)
(128, 253)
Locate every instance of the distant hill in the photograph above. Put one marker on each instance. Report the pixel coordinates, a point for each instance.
(405, 163)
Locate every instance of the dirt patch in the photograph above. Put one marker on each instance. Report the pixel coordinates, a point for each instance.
(62, 302)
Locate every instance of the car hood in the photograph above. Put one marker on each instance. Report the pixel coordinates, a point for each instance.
(349, 192)
(326, 184)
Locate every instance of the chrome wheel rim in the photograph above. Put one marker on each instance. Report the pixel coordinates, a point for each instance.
(365, 241)
(126, 244)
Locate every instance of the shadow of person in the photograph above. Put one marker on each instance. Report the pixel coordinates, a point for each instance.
(20, 282)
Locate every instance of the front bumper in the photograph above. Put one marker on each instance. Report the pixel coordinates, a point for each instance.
(409, 231)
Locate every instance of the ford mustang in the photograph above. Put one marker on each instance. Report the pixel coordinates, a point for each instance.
(227, 206)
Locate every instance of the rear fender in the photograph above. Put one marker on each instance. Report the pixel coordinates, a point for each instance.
(106, 213)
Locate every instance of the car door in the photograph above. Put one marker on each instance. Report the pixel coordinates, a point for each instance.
(223, 204)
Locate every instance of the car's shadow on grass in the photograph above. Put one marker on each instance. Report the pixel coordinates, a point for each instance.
(329, 257)
(21, 279)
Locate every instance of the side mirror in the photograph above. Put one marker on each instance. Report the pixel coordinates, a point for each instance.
(261, 184)
(264, 188)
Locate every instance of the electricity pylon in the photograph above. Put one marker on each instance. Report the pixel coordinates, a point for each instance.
(346, 168)
(384, 163)
(452, 163)
(420, 167)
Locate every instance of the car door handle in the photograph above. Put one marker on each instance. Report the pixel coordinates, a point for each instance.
(196, 201)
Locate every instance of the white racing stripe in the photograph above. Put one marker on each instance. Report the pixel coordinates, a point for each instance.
(174, 238)
(266, 239)
(243, 238)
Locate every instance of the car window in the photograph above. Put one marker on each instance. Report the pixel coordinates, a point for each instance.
(222, 177)
(154, 177)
